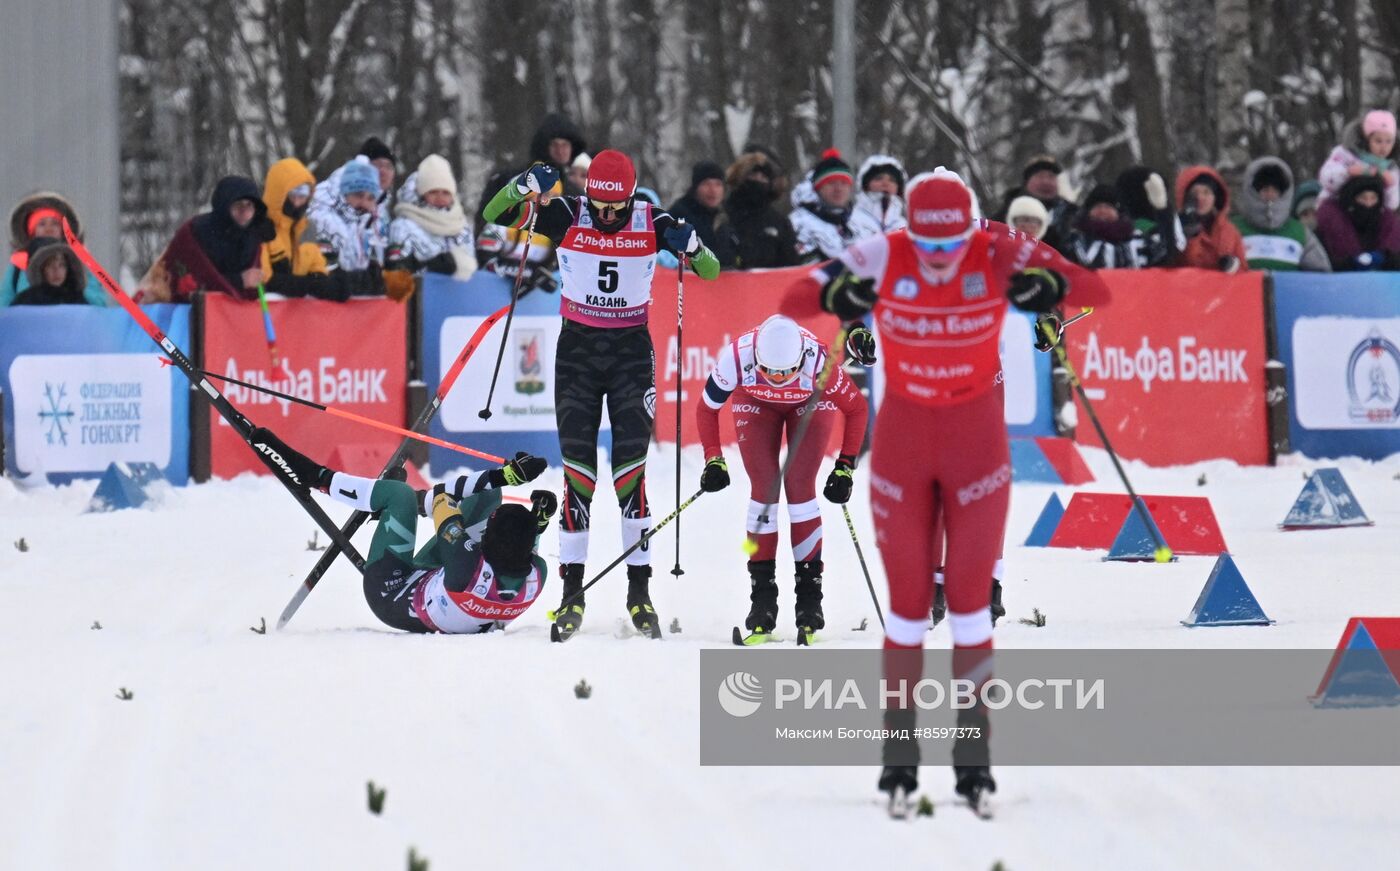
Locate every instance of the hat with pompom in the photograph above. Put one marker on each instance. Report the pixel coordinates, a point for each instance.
(831, 168)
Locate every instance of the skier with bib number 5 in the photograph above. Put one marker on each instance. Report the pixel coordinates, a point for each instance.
(771, 371)
(939, 290)
(607, 243)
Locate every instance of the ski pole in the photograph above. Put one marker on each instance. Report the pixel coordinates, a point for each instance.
(485, 413)
(350, 415)
(267, 326)
(628, 552)
(1162, 553)
(680, 389)
(425, 417)
(808, 412)
(851, 527)
(240, 424)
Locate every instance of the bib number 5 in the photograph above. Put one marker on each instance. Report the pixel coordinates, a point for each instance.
(607, 276)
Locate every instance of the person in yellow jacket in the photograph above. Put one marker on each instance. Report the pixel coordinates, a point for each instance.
(295, 268)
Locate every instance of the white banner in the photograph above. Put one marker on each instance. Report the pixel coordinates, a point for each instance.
(1018, 368)
(1346, 372)
(80, 412)
(524, 398)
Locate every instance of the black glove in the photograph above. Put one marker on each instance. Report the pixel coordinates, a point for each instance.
(1036, 290)
(860, 345)
(543, 504)
(519, 470)
(716, 475)
(1048, 322)
(442, 264)
(839, 482)
(540, 278)
(848, 296)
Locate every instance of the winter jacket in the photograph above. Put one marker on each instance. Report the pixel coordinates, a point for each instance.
(1273, 238)
(874, 214)
(1158, 239)
(286, 252)
(39, 292)
(703, 219)
(1357, 239)
(16, 278)
(822, 232)
(759, 235)
(350, 240)
(1217, 239)
(1353, 151)
(209, 251)
(422, 237)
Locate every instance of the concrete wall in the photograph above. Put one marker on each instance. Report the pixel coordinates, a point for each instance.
(58, 112)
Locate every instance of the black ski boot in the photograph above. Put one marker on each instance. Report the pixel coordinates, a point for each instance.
(763, 604)
(299, 471)
(808, 610)
(972, 761)
(900, 755)
(940, 606)
(639, 601)
(569, 617)
(997, 610)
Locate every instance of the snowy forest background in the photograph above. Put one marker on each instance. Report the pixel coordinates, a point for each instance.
(211, 87)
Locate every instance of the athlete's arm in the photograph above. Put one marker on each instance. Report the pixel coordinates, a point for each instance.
(721, 383)
(848, 285)
(854, 408)
(1015, 253)
(513, 207)
(673, 236)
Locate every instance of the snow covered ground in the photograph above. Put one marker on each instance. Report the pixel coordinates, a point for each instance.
(241, 750)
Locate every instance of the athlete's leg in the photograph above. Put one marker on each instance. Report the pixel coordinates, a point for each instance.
(578, 408)
(760, 432)
(389, 574)
(631, 397)
(805, 514)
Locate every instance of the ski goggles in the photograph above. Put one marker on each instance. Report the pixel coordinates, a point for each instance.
(945, 246)
(779, 376)
(603, 206)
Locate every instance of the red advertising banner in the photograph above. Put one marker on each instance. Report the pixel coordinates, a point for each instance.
(716, 313)
(350, 355)
(1174, 366)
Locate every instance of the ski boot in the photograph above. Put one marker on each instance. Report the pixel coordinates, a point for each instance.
(900, 755)
(763, 604)
(972, 761)
(940, 606)
(998, 610)
(808, 610)
(643, 615)
(569, 617)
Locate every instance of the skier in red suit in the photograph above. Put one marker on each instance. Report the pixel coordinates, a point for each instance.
(939, 291)
(771, 372)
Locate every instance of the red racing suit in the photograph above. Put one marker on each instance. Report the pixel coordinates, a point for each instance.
(762, 413)
(940, 455)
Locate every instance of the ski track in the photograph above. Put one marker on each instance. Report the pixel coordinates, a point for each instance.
(241, 750)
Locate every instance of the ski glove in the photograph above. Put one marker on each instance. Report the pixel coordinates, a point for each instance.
(860, 345)
(848, 296)
(1036, 290)
(1052, 324)
(839, 482)
(519, 470)
(538, 179)
(716, 475)
(543, 504)
(442, 264)
(683, 239)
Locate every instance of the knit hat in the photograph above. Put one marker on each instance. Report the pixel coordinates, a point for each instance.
(359, 177)
(509, 540)
(1306, 196)
(704, 171)
(1378, 121)
(1028, 207)
(611, 178)
(940, 207)
(435, 174)
(1040, 163)
(375, 149)
(1100, 193)
(831, 168)
(583, 161)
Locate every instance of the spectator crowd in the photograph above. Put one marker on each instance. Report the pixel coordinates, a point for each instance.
(355, 234)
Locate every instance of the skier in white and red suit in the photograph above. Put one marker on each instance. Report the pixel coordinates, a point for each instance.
(770, 372)
(939, 291)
